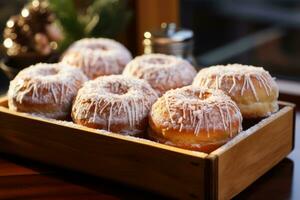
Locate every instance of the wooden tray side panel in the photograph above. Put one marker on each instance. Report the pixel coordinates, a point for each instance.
(244, 162)
(3, 101)
(167, 172)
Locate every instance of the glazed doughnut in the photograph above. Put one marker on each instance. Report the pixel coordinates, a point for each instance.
(194, 118)
(162, 72)
(97, 56)
(45, 90)
(114, 103)
(252, 88)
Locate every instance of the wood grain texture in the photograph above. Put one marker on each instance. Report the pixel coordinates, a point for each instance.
(3, 101)
(42, 187)
(23, 178)
(160, 168)
(145, 164)
(11, 169)
(251, 154)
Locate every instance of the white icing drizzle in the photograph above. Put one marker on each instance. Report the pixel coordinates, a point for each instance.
(97, 56)
(54, 85)
(162, 72)
(198, 109)
(114, 99)
(213, 77)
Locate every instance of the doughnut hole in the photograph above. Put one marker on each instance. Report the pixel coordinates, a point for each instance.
(158, 61)
(118, 88)
(201, 96)
(48, 72)
(98, 47)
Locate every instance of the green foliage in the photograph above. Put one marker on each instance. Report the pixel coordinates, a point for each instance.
(100, 18)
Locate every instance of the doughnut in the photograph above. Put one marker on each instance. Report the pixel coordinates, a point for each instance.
(114, 103)
(162, 72)
(97, 56)
(252, 88)
(194, 118)
(46, 90)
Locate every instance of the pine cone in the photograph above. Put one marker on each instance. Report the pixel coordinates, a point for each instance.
(29, 31)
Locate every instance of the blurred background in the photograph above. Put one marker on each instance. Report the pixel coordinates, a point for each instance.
(255, 32)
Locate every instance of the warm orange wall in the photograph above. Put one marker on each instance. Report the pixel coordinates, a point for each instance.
(151, 13)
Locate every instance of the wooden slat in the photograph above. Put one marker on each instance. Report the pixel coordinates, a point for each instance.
(284, 103)
(4, 109)
(167, 170)
(156, 167)
(65, 185)
(252, 153)
(12, 169)
(45, 187)
(3, 101)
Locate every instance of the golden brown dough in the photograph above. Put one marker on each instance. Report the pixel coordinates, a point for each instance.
(97, 56)
(162, 72)
(252, 88)
(194, 118)
(115, 103)
(45, 90)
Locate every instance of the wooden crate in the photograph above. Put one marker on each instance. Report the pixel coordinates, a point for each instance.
(156, 167)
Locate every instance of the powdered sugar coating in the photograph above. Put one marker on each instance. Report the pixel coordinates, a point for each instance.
(197, 110)
(252, 88)
(163, 72)
(236, 71)
(45, 89)
(98, 56)
(115, 103)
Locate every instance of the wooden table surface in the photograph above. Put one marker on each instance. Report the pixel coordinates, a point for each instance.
(24, 179)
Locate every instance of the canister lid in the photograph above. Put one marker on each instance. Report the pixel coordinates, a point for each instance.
(169, 33)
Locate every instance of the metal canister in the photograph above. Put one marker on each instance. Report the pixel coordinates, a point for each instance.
(171, 40)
